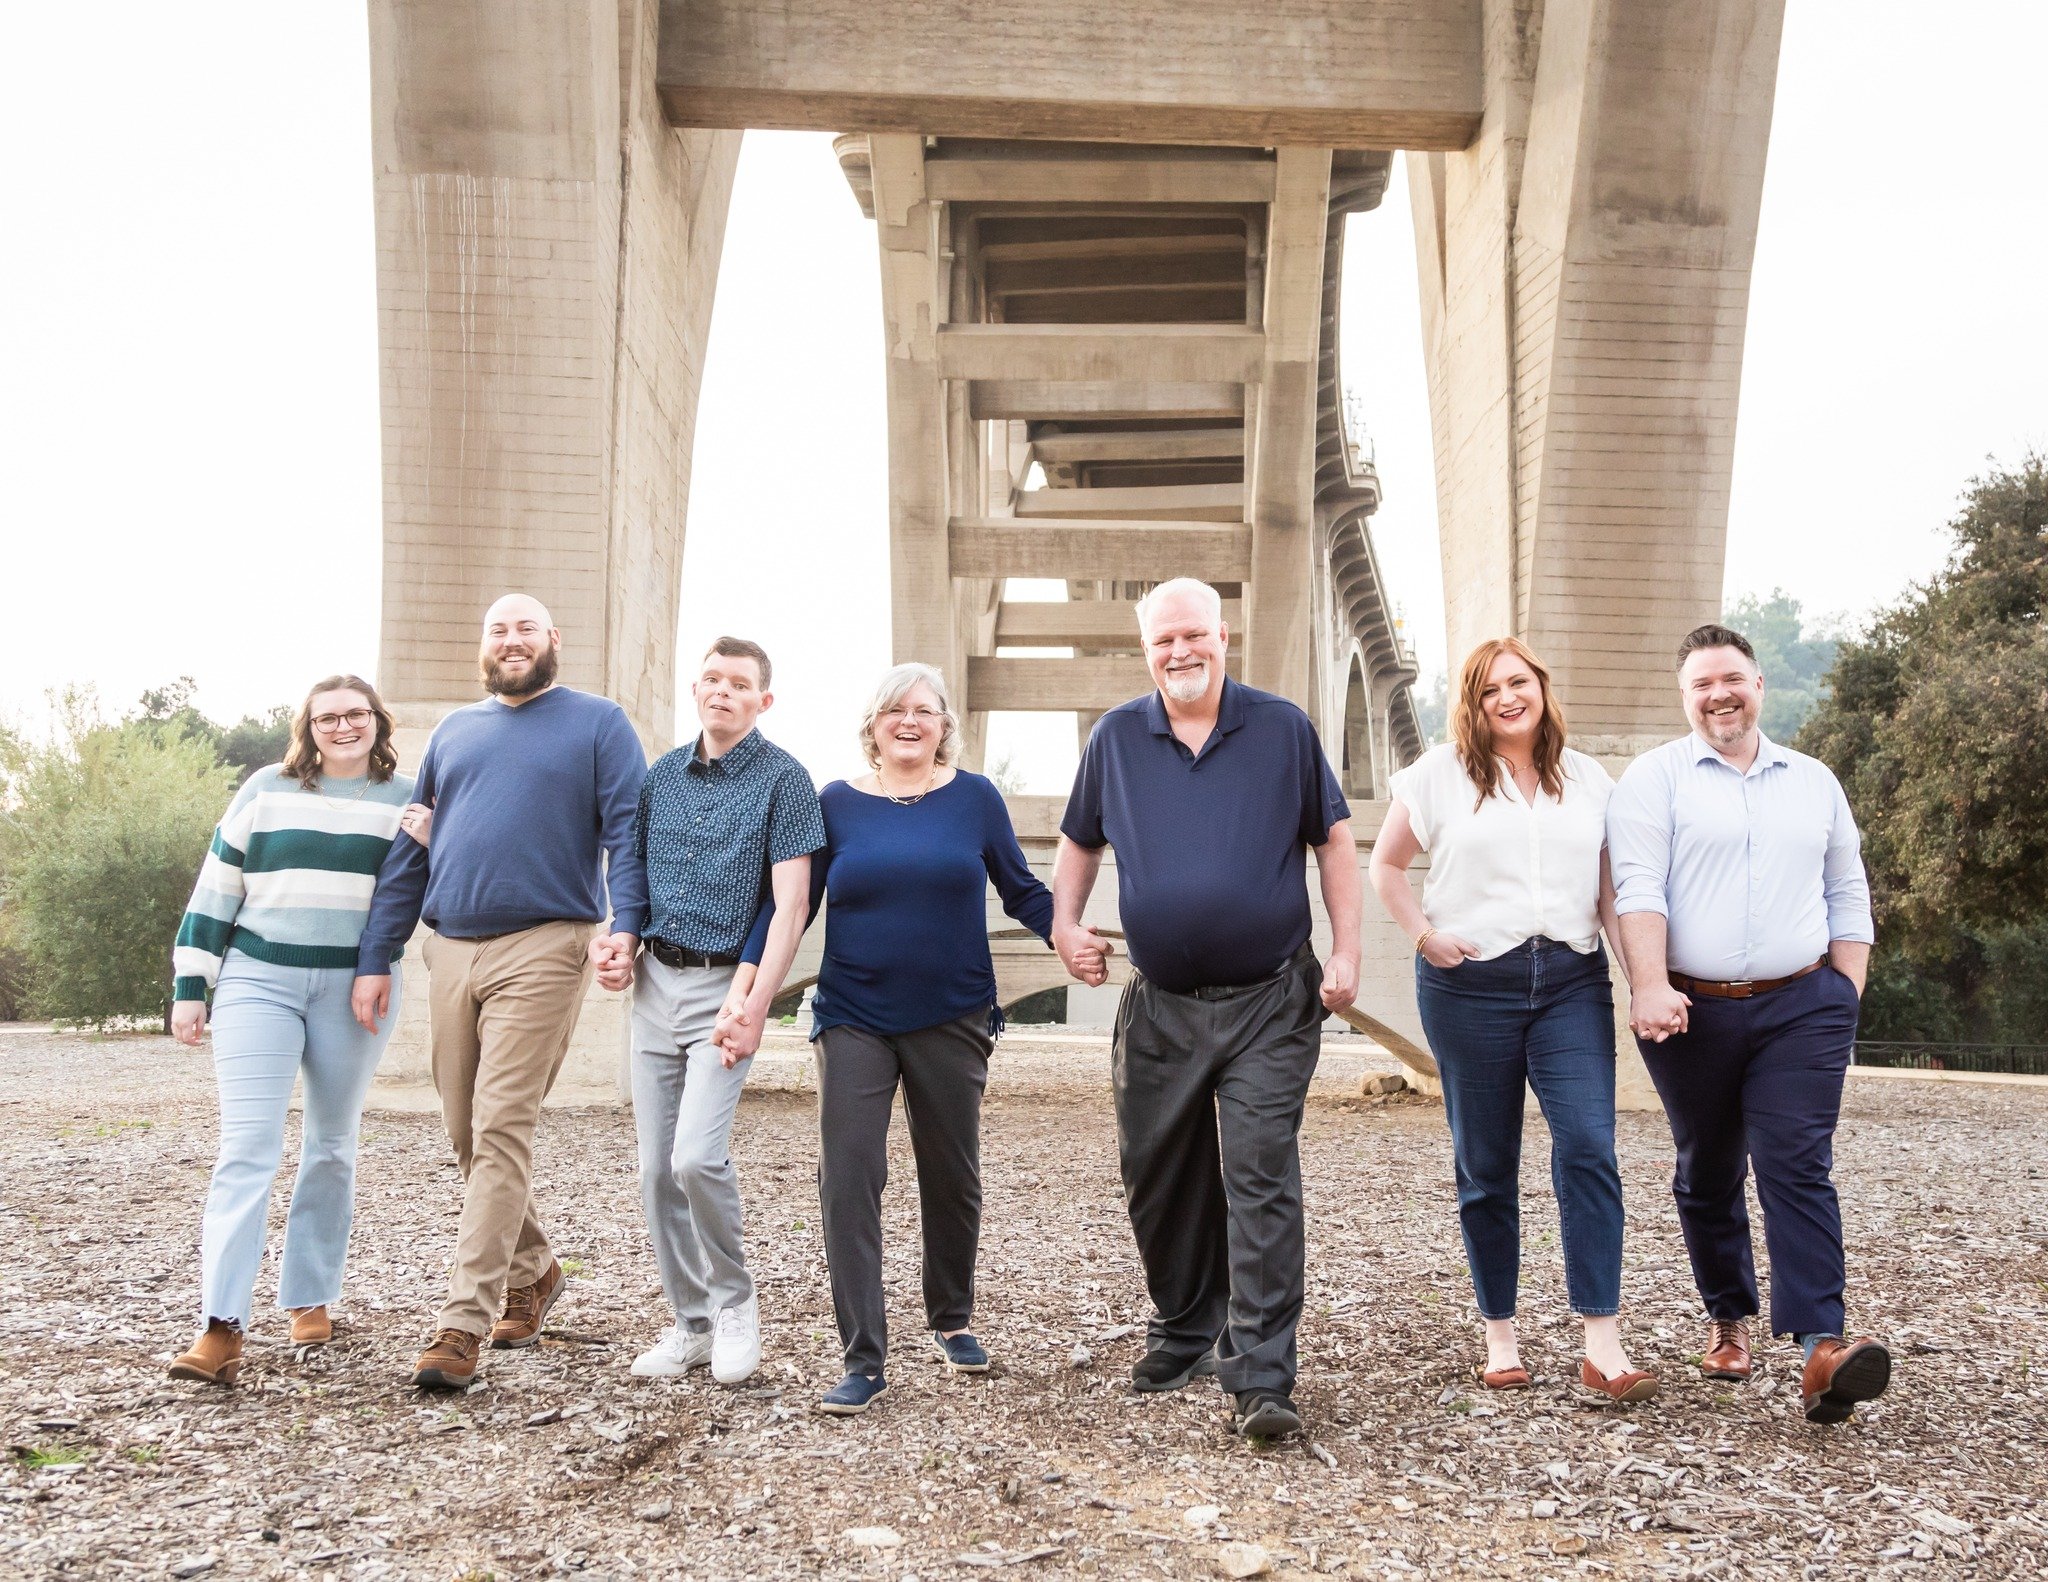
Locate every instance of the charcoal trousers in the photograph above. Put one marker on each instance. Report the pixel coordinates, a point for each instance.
(943, 1071)
(1209, 1099)
(1759, 1081)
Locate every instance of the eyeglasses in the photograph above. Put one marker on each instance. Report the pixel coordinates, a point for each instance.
(922, 716)
(355, 719)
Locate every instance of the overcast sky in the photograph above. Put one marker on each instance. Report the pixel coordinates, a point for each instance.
(188, 406)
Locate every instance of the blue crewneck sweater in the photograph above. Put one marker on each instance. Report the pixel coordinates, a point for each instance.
(533, 821)
(906, 935)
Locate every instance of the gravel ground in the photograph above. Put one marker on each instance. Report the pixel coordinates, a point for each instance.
(559, 1463)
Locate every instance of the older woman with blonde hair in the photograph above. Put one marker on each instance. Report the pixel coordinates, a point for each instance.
(270, 936)
(906, 994)
(1511, 981)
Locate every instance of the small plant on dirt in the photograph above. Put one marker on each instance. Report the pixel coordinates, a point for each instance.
(571, 1267)
(37, 1457)
(143, 1455)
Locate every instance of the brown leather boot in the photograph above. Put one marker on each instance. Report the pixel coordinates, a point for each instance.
(449, 1363)
(1839, 1374)
(1727, 1353)
(526, 1309)
(215, 1357)
(311, 1326)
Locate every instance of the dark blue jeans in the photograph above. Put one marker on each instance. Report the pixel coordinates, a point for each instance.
(1543, 1015)
(1760, 1080)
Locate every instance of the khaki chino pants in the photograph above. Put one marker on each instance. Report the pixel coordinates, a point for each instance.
(503, 1012)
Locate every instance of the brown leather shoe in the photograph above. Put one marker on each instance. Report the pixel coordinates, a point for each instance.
(526, 1309)
(1727, 1353)
(311, 1326)
(1841, 1373)
(1515, 1378)
(215, 1357)
(449, 1363)
(1635, 1385)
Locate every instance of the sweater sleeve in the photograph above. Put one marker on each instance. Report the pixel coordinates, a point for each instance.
(621, 771)
(1024, 897)
(401, 890)
(209, 920)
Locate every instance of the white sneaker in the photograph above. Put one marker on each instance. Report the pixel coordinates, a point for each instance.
(675, 1354)
(736, 1342)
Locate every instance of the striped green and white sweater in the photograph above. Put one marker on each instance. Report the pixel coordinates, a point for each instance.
(289, 876)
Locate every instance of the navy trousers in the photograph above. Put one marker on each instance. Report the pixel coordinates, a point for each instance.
(1760, 1081)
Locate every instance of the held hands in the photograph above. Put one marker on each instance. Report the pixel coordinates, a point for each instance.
(188, 1021)
(1656, 1011)
(612, 955)
(417, 821)
(370, 999)
(1446, 950)
(1084, 952)
(1340, 980)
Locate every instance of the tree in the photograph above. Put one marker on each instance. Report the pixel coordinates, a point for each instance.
(1936, 722)
(106, 827)
(1795, 665)
(248, 744)
(1007, 774)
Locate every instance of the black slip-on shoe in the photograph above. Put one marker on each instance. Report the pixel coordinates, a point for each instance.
(1160, 1369)
(1266, 1414)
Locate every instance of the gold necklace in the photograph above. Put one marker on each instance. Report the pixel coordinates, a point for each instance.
(344, 802)
(908, 801)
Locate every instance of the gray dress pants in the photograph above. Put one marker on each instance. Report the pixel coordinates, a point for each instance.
(1209, 1099)
(943, 1071)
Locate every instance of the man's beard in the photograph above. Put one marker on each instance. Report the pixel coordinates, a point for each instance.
(1729, 728)
(1188, 686)
(540, 675)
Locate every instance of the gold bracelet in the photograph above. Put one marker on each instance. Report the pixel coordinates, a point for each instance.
(1422, 939)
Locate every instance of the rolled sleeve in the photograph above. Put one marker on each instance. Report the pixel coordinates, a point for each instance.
(1639, 839)
(1843, 883)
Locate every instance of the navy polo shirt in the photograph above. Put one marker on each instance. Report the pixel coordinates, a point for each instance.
(1211, 847)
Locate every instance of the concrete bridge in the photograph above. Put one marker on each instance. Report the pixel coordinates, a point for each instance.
(1110, 240)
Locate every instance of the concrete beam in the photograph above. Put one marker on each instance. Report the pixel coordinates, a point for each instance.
(1213, 177)
(1139, 444)
(1173, 502)
(1003, 546)
(1056, 685)
(1372, 73)
(1090, 353)
(1053, 402)
(1077, 623)
(1097, 272)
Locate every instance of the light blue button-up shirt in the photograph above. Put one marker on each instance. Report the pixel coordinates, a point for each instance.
(1754, 873)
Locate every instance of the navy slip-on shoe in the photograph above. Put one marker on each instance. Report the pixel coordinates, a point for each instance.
(962, 1352)
(852, 1395)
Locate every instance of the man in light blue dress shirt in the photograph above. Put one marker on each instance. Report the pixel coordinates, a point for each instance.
(1745, 921)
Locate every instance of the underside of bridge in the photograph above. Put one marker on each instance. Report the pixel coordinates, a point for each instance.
(1110, 243)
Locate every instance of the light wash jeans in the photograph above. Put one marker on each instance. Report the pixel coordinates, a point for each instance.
(269, 1023)
(683, 1105)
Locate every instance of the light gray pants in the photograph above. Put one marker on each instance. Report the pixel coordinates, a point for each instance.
(683, 1104)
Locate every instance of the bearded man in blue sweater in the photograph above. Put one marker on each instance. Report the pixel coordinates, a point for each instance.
(533, 793)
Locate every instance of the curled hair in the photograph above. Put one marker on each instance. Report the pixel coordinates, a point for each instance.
(891, 690)
(1474, 736)
(302, 757)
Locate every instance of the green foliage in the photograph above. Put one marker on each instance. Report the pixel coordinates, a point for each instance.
(251, 742)
(105, 829)
(1937, 724)
(1795, 664)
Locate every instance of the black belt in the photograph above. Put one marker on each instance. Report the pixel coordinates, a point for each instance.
(670, 954)
(1225, 991)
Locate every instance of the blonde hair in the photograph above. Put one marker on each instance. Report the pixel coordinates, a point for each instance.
(891, 690)
(1474, 736)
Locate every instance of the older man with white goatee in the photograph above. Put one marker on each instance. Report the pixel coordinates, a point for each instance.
(1210, 793)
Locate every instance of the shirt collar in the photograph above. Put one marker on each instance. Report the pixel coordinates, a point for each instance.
(1229, 711)
(737, 757)
(1768, 752)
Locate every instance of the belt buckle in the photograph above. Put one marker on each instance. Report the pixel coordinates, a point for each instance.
(1742, 989)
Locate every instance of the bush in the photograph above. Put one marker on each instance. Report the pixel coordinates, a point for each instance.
(107, 828)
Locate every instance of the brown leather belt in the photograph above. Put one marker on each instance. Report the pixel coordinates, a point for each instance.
(1739, 989)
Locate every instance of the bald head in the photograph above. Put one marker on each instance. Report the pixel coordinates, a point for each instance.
(519, 652)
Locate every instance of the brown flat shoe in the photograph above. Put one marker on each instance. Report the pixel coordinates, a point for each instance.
(1727, 1353)
(1632, 1386)
(1516, 1378)
(526, 1309)
(311, 1326)
(449, 1363)
(215, 1357)
(1841, 1373)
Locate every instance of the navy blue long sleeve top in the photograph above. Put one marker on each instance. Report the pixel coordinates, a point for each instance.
(906, 935)
(533, 823)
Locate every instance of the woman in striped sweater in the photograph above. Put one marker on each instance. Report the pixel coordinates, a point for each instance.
(271, 931)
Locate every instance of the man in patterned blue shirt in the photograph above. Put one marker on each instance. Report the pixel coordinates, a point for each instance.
(724, 823)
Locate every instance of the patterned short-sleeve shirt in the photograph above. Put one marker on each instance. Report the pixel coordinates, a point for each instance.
(709, 831)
